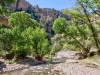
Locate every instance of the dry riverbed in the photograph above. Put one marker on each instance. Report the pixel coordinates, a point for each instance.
(73, 66)
(68, 64)
(19, 64)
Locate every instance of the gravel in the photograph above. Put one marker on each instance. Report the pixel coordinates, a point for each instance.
(71, 66)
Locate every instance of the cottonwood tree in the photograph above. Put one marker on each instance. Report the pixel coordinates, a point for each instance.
(23, 20)
(59, 25)
(19, 37)
(40, 43)
(75, 35)
(5, 39)
(89, 10)
(87, 13)
(16, 42)
(21, 44)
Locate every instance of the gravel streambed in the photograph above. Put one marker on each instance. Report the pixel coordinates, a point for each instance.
(68, 63)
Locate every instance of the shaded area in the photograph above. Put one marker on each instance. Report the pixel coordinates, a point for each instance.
(30, 61)
(36, 67)
(2, 65)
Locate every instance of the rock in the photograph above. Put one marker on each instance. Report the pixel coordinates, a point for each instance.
(56, 72)
(91, 65)
(71, 61)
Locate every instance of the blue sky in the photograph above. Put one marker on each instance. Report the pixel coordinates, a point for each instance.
(56, 4)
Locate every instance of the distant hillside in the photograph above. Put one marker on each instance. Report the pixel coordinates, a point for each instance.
(45, 16)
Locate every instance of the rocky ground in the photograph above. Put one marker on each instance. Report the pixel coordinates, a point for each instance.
(72, 65)
(19, 64)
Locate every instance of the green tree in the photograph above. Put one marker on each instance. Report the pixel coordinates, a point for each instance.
(21, 44)
(40, 43)
(23, 19)
(88, 10)
(75, 34)
(59, 25)
(19, 37)
(5, 39)
(17, 42)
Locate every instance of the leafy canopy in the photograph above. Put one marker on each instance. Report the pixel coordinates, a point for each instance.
(59, 25)
(23, 19)
(40, 43)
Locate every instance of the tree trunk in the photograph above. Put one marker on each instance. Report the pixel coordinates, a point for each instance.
(39, 58)
(98, 52)
(85, 52)
(95, 36)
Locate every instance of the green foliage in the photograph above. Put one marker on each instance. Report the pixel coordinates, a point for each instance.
(19, 37)
(88, 13)
(66, 12)
(0, 8)
(7, 1)
(23, 19)
(11, 61)
(71, 31)
(6, 38)
(4, 11)
(2, 53)
(59, 25)
(57, 43)
(22, 43)
(24, 36)
(90, 9)
(40, 43)
(16, 41)
(78, 36)
(71, 47)
(76, 33)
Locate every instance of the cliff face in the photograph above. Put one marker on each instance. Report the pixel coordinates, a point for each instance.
(45, 16)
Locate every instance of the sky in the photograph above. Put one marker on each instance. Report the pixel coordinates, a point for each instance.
(56, 4)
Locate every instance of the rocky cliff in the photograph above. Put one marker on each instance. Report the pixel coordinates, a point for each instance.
(45, 16)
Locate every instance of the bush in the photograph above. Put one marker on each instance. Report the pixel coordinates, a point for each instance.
(70, 47)
(40, 43)
(23, 53)
(57, 43)
(11, 61)
(2, 53)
